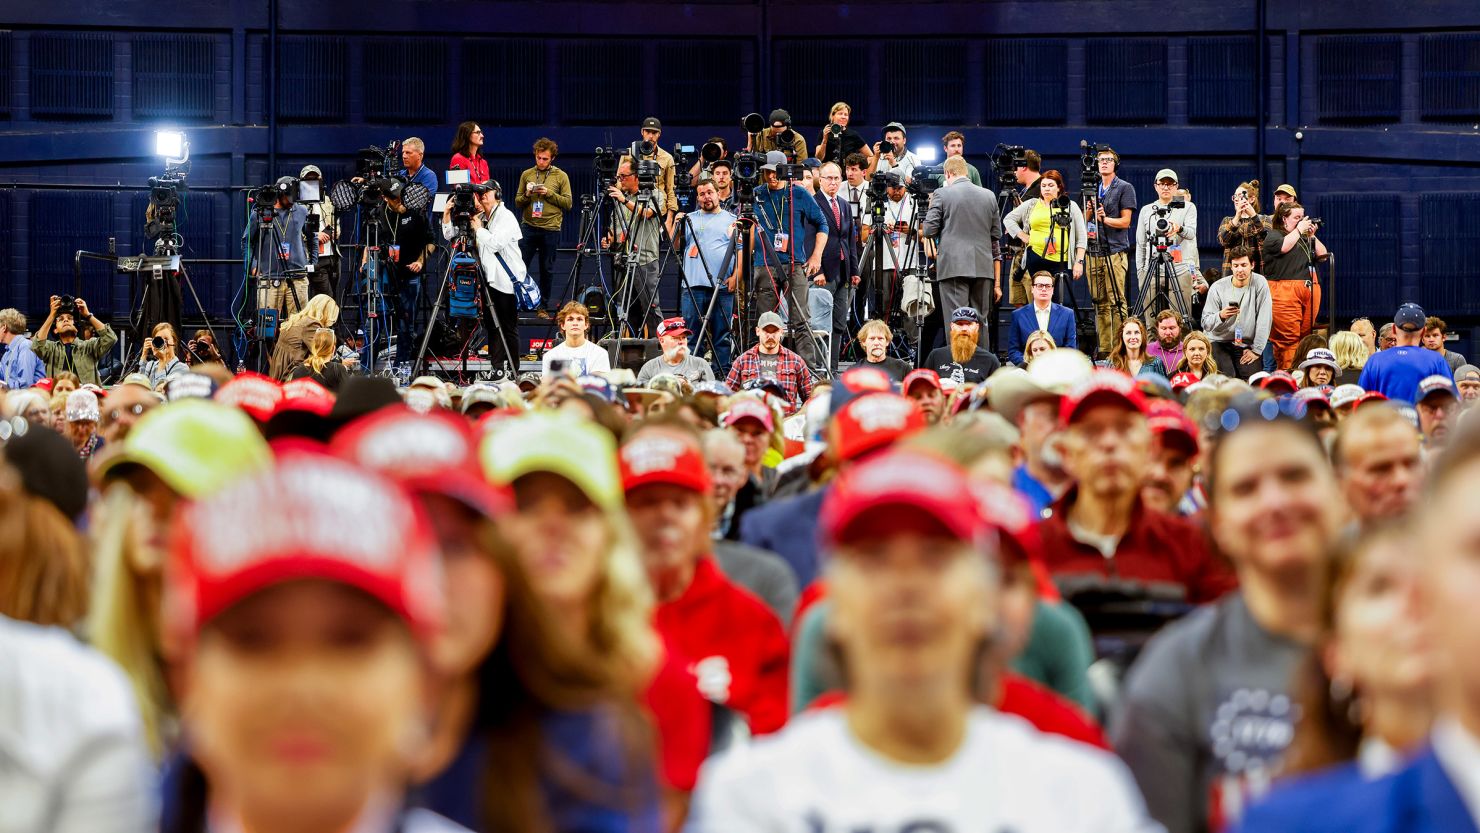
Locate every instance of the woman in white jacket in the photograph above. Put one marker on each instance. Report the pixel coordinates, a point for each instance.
(1049, 244)
(497, 233)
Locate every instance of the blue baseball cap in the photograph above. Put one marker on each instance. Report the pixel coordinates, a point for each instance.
(1410, 318)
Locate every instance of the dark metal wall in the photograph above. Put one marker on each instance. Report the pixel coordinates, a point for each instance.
(1371, 108)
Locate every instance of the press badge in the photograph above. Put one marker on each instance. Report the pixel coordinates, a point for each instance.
(537, 208)
(693, 250)
(395, 253)
(1238, 336)
(780, 241)
(283, 250)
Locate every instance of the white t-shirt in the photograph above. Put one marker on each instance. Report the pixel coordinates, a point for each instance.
(816, 777)
(588, 358)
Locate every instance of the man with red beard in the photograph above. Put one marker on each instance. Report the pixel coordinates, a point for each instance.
(964, 361)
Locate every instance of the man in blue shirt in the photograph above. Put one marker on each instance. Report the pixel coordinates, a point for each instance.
(19, 367)
(1109, 222)
(704, 239)
(413, 151)
(1397, 371)
(784, 258)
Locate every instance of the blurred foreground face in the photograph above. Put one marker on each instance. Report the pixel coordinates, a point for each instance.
(1450, 585)
(1379, 642)
(1109, 449)
(909, 608)
(1382, 468)
(303, 702)
(474, 586)
(561, 537)
(1274, 506)
(1169, 476)
(673, 527)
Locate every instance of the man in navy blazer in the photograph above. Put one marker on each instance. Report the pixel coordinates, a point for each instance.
(840, 257)
(1028, 319)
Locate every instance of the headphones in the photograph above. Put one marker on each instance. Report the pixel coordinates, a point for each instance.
(497, 189)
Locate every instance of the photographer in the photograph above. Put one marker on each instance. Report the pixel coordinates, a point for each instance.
(1291, 252)
(784, 258)
(722, 172)
(498, 237)
(1245, 229)
(69, 353)
(968, 258)
(652, 131)
(158, 360)
(1108, 230)
(882, 281)
(1051, 228)
(781, 137)
(201, 349)
(324, 280)
(407, 239)
(891, 155)
(275, 240)
(1237, 317)
(635, 228)
(700, 166)
(1176, 226)
(839, 141)
(543, 197)
(954, 144)
(705, 254)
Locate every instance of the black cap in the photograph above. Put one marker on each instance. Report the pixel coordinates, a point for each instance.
(651, 123)
(361, 395)
(50, 469)
(780, 115)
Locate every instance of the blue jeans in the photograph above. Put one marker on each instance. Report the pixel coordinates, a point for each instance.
(692, 310)
(1267, 357)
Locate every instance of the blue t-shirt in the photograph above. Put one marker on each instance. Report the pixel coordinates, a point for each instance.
(772, 220)
(1034, 492)
(426, 176)
(588, 748)
(711, 241)
(1396, 372)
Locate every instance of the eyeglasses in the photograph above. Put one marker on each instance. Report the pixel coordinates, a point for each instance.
(479, 131)
(136, 409)
(1043, 286)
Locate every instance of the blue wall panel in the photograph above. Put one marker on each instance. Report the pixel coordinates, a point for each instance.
(1451, 76)
(1127, 81)
(1358, 77)
(312, 78)
(491, 92)
(72, 75)
(5, 50)
(1362, 234)
(406, 80)
(1449, 225)
(61, 224)
(807, 92)
(174, 76)
(687, 97)
(922, 81)
(1222, 80)
(1027, 81)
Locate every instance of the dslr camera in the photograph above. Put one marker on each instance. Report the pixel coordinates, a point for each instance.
(68, 307)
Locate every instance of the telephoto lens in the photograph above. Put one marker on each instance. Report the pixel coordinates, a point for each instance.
(158, 342)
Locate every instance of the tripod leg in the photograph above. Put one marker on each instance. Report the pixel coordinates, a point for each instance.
(426, 338)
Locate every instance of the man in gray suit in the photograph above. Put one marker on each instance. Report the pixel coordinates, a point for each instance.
(968, 252)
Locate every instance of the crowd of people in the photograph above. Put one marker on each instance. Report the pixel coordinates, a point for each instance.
(1218, 580)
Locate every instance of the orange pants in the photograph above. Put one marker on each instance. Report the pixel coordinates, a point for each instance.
(1294, 309)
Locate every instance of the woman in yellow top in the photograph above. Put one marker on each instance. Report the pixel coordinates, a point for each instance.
(1048, 245)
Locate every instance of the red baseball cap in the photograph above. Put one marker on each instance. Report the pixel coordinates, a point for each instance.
(873, 421)
(748, 407)
(654, 457)
(1277, 378)
(1170, 423)
(252, 392)
(900, 487)
(310, 517)
(673, 327)
(1103, 386)
(1183, 381)
(925, 375)
(435, 453)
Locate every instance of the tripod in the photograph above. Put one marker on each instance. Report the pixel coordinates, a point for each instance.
(688, 233)
(273, 247)
(159, 296)
(627, 289)
(470, 267)
(872, 263)
(796, 306)
(1099, 260)
(1068, 297)
(1164, 290)
(371, 281)
(586, 246)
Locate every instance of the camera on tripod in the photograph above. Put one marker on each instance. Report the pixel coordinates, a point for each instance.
(1059, 211)
(879, 185)
(683, 180)
(925, 179)
(1161, 224)
(606, 163)
(1006, 159)
(1089, 164)
(746, 173)
(647, 175)
(465, 203)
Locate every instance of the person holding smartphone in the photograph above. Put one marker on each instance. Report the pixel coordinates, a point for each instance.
(1238, 316)
(1245, 228)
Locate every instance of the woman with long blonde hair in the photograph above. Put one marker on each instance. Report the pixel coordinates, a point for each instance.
(1351, 357)
(297, 334)
(321, 364)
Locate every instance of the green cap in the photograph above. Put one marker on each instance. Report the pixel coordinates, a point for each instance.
(194, 445)
(548, 441)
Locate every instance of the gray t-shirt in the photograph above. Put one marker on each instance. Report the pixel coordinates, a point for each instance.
(647, 228)
(692, 367)
(1206, 714)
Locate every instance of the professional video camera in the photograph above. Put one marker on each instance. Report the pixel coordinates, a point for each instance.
(1161, 223)
(747, 174)
(1006, 159)
(925, 179)
(879, 185)
(300, 190)
(164, 204)
(465, 203)
(647, 171)
(790, 172)
(683, 180)
(1059, 211)
(374, 166)
(607, 161)
(1089, 164)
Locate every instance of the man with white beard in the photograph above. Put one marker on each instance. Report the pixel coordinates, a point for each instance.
(673, 335)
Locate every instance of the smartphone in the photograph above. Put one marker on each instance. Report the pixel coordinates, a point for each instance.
(559, 367)
(1234, 304)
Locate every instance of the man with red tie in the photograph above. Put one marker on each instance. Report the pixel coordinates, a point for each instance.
(840, 257)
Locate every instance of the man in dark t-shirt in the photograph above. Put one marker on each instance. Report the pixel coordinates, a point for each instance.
(964, 359)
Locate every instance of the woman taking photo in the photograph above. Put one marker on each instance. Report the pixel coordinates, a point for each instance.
(467, 152)
(297, 334)
(1246, 228)
(322, 365)
(1291, 250)
(1129, 355)
(159, 361)
(1197, 356)
(838, 141)
(1049, 245)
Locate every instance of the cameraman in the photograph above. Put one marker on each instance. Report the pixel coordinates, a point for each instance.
(954, 144)
(705, 257)
(652, 131)
(499, 252)
(636, 224)
(324, 280)
(781, 137)
(277, 251)
(784, 258)
(839, 141)
(407, 239)
(722, 171)
(68, 354)
(543, 197)
(1108, 232)
(1026, 172)
(891, 155)
(1291, 252)
(1181, 236)
(881, 287)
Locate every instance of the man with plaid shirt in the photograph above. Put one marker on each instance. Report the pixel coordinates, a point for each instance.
(769, 360)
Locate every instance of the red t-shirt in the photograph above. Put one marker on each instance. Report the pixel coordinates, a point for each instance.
(682, 718)
(477, 168)
(735, 646)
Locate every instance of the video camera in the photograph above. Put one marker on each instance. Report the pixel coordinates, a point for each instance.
(925, 179)
(647, 171)
(1161, 223)
(606, 162)
(879, 185)
(683, 180)
(746, 173)
(465, 203)
(1089, 164)
(298, 190)
(164, 202)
